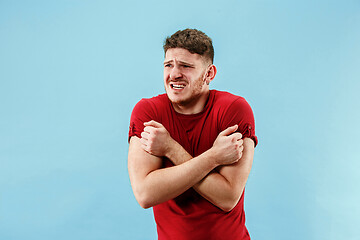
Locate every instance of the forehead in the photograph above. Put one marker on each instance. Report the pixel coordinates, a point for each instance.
(183, 55)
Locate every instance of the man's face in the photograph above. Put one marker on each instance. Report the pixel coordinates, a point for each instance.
(184, 77)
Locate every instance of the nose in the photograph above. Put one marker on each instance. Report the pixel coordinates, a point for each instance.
(175, 73)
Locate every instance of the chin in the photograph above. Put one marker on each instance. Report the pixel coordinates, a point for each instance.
(175, 99)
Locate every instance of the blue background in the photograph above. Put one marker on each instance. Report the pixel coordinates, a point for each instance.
(71, 72)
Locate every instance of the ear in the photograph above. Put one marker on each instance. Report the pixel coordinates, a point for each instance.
(210, 74)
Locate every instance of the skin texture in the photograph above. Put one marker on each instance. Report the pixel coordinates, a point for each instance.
(219, 174)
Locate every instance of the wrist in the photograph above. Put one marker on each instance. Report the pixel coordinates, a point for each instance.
(177, 154)
(211, 157)
(170, 149)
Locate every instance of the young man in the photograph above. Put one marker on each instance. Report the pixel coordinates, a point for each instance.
(191, 149)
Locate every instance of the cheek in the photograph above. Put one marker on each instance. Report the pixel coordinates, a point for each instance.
(166, 76)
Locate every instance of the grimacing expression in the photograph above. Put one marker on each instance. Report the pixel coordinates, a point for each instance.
(184, 76)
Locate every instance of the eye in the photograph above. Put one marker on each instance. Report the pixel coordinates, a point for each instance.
(167, 65)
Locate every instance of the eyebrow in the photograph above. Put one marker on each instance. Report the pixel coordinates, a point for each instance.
(166, 62)
(181, 62)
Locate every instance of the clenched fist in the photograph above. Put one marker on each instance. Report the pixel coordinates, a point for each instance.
(155, 139)
(228, 146)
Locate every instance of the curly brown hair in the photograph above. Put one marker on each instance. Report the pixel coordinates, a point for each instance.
(193, 40)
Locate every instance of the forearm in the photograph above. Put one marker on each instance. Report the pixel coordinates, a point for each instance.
(214, 187)
(167, 183)
(162, 184)
(223, 188)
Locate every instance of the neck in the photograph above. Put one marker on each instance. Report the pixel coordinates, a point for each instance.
(192, 107)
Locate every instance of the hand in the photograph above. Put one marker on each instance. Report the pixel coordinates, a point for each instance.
(155, 139)
(228, 146)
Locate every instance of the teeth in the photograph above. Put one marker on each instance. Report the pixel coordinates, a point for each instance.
(177, 86)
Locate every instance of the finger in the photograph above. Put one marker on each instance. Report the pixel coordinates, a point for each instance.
(241, 148)
(146, 149)
(150, 129)
(229, 130)
(143, 143)
(147, 129)
(240, 142)
(237, 136)
(153, 124)
(144, 135)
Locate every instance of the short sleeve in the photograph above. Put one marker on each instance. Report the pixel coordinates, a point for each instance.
(240, 113)
(142, 112)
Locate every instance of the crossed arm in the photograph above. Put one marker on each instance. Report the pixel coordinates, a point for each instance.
(219, 174)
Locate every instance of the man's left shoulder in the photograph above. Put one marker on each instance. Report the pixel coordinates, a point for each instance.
(224, 98)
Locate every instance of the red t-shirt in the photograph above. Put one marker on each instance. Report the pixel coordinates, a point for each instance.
(190, 216)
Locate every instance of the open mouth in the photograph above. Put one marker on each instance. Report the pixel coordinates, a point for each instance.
(177, 86)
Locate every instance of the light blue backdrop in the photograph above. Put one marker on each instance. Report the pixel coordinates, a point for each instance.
(71, 72)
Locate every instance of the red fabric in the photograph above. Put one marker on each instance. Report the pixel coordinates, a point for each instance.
(190, 216)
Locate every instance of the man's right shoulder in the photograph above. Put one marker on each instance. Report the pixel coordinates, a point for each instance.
(149, 107)
(145, 110)
(153, 101)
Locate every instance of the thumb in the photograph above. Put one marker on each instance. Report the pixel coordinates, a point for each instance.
(229, 130)
(153, 123)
